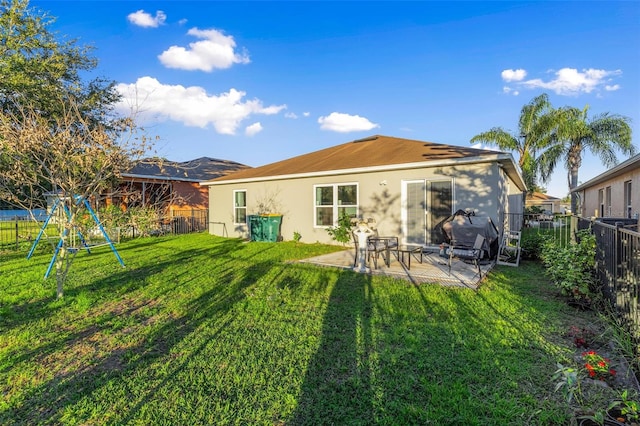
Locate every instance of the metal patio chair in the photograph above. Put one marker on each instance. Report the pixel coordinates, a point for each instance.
(473, 254)
(376, 246)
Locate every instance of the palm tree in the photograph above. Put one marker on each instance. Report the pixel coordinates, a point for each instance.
(602, 135)
(534, 129)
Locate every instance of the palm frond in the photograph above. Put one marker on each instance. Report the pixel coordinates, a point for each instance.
(498, 137)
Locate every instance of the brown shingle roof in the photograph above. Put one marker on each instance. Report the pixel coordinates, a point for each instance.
(368, 152)
(539, 196)
(197, 170)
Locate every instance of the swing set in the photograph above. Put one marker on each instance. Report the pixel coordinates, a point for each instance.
(59, 203)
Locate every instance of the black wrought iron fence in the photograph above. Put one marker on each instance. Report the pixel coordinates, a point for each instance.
(617, 256)
(618, 270)
(18, 233)
(188, 221)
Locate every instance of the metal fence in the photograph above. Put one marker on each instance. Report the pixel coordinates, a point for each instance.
(617, 256)
(18, 232)
(618, 270)
(188, 221)
(560, 228)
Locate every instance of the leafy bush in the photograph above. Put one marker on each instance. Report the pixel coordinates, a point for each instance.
(571, 267)
(110, 217)
(145, 220)
(113, 216)
(531, 245)
(533, 210)
(341, 232)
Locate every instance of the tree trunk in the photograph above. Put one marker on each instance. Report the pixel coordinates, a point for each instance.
(573, 182)
(575, 161)
(61, 270)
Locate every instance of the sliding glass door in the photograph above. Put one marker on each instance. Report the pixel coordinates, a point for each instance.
(425, 205)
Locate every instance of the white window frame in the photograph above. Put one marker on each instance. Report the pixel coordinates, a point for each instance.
(601, 202)
(335, 204)
(607, 196)
(235, 207)
(628, 199)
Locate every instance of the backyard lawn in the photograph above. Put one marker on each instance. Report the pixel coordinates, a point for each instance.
(205, 330)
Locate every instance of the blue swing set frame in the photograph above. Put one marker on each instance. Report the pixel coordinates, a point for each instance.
(58, 202)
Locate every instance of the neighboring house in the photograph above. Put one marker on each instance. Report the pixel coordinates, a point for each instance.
(170, 185)
(545, 202)
(407, 186)
(614, 193)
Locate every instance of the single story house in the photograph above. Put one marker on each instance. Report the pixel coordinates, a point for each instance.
(546, 202)
(174, 186)
(406, 186)
(613, 193)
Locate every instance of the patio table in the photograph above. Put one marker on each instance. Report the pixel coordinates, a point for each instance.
(410, 250)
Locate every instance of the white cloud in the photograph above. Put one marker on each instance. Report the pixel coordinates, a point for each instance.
(612, 88)
(570, 81)
(214, 51)
(153, 101)
(146, 20)
(306, 114)
(253, 129)
(344, 123)
(513, 75)
(509, 91)
(291, 115)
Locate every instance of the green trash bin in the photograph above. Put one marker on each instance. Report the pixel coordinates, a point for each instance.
(255, 227)
(264, 227)
(271, 227)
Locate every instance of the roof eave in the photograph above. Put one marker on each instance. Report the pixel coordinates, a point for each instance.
(155, 177)
(500, 157)
(621, 168)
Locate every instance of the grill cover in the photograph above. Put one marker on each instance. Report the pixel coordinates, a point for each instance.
(462, 230)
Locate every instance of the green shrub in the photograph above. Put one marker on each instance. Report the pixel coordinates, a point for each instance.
(342, 232)
(531, 245)
(533, 210)
(145, 220)
(571, 267)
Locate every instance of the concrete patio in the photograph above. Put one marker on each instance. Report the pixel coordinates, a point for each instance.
(433, 269)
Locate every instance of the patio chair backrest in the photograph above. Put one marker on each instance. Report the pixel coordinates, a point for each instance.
(479, 242)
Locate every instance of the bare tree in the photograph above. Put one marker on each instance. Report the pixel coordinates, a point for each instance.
(70, 155)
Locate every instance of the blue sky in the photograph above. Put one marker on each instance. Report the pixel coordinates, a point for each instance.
(257, 82)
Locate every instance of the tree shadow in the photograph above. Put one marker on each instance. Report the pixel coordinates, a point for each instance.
(337, 384)
(72, 378)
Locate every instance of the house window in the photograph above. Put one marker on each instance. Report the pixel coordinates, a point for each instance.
(608, 200)
(601, 202)
(240, 206)
(333, 201)
(627, 198)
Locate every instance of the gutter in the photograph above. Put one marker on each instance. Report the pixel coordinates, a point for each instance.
(404, 166)
(617, 170)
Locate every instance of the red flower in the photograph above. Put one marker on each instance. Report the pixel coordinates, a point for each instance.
(597, 366)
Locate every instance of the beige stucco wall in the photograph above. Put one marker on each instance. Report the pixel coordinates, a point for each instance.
(482, 187)
(590, 206)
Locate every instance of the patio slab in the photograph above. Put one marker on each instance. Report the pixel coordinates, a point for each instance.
(433, 269)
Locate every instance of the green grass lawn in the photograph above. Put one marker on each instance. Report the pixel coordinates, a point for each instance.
(204, 330)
